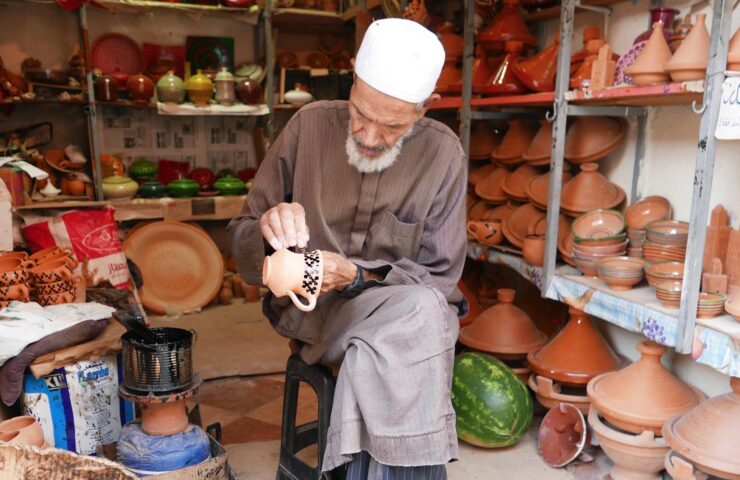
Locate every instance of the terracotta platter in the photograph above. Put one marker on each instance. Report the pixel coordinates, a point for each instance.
(181, 266)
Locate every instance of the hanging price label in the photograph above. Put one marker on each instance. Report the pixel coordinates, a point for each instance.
(728, 123)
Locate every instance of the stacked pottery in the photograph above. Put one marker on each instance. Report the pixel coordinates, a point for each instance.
(490, 188)
(649, 68)
(14, 278)
(597, 235)
(592, 138)
(665, 241)
(483, 140)
(664, 272)
(629, 409)
(690, 60)
(538, 188)
(589, 190)
(562, 368)
(639, 215)
(704, 440)
(539, 149)
(515, 142)
(505, 331)
(523, 221)
(52, 276)
(621, 273)
(514, 185)
(478, 174)
(710, 304)
(24, 430)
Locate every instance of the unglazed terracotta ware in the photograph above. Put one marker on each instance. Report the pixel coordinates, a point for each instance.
(486, 232)
(690, 60)
(28, 428)
(491, 188)
(710, 305)
(593, 138)
(589, 190)
(539, 149)
(140, 88)
(200, 89)
(477, 211)
(562, 436)
(621, 273)
(499, 213)
(635, 457)
(17, 292)
(164, 419)
(477, 175)
(538, 189)
(482, 71)
(733, 53)
(514, 185)
(647, 210)
(643, 395)
(591, 32)
(507, 25)
(503, 81)
(538, 72)
(451, 74)
(504, 329)
(533, 250)
(576, 354)
(649, 68)
(582, 77)
(522, 222)
(515, 142)
(717, 241)
(662, 271)
(51, 272)
(171, 88)
(293, 274)
(598, 224)
(549, 394)
(483, 140)
(708, 435)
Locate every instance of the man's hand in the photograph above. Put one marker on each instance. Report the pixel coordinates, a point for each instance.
(284, 226)
(338, 272)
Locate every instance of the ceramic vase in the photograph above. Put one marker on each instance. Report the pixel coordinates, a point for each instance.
(171, 88)
(649, 68)
(664, 16)
(140, 88)
(200, 89)
(294, 275)
(106, 89)
(225, 92)
(690, 60)
(249, 91)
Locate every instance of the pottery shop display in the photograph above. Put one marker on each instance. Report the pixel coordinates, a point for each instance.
(576, 354)
(171, 88)
(649, 209)
(477, 175)
(485, 232)
(181, 266)
(533, 250)
(540, 148)
(621, 273)
(183, 188)
(589, 190)
(229, 185)
(506, 26)
(690, 60)
(538, 188)
(710, 305)
(225, 91)
(664, 271)
(522, 222)
(490, 188)
(550, 394)
(119, 187)
(668, 292)
(514, 185)
(503, 81)
(106, 89)
(592, 138)
(140, 88)
(582, 77)
(649, 68)
(200, 89)
(249, 91)
(294, 275)
(596, 226)
(562, 436)
(483, 140)
(707, 436)
(515, 142)
(666, 240)
(538, 72)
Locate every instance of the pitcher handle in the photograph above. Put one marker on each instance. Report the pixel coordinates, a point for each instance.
(302, 306)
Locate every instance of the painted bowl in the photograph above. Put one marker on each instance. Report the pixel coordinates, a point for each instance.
(598, 224)
(645, 211)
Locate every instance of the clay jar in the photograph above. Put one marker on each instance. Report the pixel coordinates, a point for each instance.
(643, 395)
(225, 93)
(171, 88)
(106, 89)
(504, 330)
(200, 89)
(249, 91)
(487, 233)
(576, 354)
(533, 250)
(649, 68)
(690, 60)
(538, 72)
(140, 88)
(284, 272)
(29, 430)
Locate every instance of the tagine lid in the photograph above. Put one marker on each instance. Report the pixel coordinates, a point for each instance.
(654, 56)
(478, 174)
(643, 395)
(483, 140)
(521, 222)
(694, 50)
(576, 354)
(593, 138)
(515, 141)
(590, 190)
(538, 188)
(503, 329)
(490, 188)
(514, 185)
(540, 148)
(708, 434)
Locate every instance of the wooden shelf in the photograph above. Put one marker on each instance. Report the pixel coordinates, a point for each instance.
(43, 101)
(551, 13)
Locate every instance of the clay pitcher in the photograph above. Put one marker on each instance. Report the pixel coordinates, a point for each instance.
(294, 274)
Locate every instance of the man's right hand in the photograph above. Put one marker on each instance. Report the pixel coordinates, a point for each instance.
(285, 226)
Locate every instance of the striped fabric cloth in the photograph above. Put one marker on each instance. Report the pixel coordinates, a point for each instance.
(364, 467)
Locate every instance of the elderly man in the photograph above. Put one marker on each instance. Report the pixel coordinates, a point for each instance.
(380, 190)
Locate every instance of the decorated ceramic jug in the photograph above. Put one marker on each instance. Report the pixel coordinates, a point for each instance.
(294, 274)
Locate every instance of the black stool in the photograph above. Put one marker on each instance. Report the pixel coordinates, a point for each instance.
(297, 437)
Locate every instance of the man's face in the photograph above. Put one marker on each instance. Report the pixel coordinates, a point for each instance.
(377, 120)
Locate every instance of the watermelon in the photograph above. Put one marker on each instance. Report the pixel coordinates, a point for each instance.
(493, 407)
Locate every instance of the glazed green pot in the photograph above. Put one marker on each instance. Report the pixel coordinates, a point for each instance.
(152, 190)
(183, 188)
(229, 185)
(142, 169)
(171, 88)
(119, 187)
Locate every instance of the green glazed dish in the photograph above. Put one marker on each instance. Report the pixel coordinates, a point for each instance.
(152, 190)
(142, 169)
(183, 188)
(230, 185)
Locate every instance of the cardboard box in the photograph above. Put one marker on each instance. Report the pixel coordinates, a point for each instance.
(17, 185)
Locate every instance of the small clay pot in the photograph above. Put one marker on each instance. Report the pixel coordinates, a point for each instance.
(56, 287)
(70, 262)
(13, 277)
(28, 428)
(19, 292)
(106, 89)
(284, 272)
(533, 250)
(140, 88)
(249, 91)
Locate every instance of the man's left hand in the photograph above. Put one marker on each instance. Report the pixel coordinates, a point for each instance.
(338, 272)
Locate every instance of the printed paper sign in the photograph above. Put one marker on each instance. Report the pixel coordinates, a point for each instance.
(728, 124)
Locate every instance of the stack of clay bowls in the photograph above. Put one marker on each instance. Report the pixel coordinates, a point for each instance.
(710, 304)
(14, 278)
(668, 293)
(665, 241)
(25, 430)
(664, 272)
(621, 273)
(577, 354)
(505, 331)
(629, 409)
(597, 235)
(52, 276)
(639, 215)
(704, 440)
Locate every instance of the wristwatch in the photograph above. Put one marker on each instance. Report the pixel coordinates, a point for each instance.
(354, 288)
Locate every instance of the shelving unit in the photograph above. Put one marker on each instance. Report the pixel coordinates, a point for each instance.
(680, 326)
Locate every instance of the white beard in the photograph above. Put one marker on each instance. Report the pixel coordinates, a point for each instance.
(366, 164)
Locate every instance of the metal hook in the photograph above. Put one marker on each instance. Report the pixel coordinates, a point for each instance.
(551, 116)
(698, 111)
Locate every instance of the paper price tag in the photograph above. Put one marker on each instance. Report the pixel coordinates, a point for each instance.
(728, 123)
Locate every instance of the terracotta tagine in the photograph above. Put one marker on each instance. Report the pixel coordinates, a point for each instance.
(533, 250)
(152, 189)
(708, 435)
(591, 32)
(515, 142)
(538, 188)
(482, 71)
(477, 211)
(490, 188)
(171, 88)
(733, 53)
(562, 436)
(514, 185)
(592, 138)
(452, 43)
(119, 187)
(249, 91)
(183, 188)
(499, 213)
(504, 330)
(478, 174)
(200, 89)
(576, 354)
(550, 394)
(649, 68)
(690, 60)
(140, 88)
(538, 72)
(662, 15)
(643, 395)
(106, 89)
(229, 185)
(450, 75)
(589, 190)
(294, 275)
(483, 140)
(540, 148)
(680, 32)
(523, 221)
(225, 92)
(581, 78)
(507, 25)
(503, 81)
